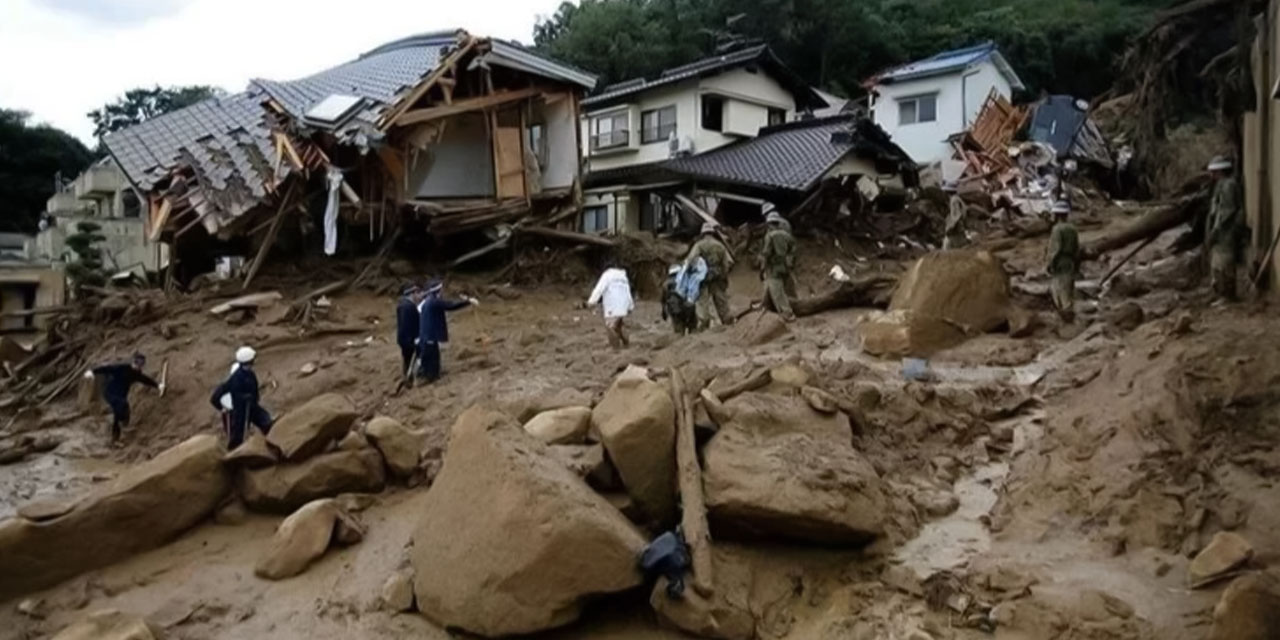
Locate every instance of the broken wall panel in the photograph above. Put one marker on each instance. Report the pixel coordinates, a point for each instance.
(560, 168)
(459, 165)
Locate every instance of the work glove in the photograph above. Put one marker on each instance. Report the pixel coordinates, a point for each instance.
(161, 388)
(88, 374)
(473, 302)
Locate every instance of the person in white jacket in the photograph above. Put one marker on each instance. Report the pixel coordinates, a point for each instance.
(614, 291)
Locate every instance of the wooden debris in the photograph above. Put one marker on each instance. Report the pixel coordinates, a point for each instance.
(270, 240)
(1151, 224)
(693, 520)
(571, 236)
(693, 208)
(251, 301)
(419, 116)
(865, 291)
(757, 379)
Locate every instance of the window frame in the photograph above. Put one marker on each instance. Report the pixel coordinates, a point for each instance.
(915, 101)
(540, 148)
(702, 106)
(600, 213)
(661, 132)
(618, 136)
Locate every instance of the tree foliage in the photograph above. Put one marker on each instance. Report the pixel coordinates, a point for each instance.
(30, 158)
(141, 104)
(88, 266)
(1063, 46)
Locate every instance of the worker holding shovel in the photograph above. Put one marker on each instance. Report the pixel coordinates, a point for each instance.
(237, 400)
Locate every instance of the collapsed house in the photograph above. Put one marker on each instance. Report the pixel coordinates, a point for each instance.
(444, 133)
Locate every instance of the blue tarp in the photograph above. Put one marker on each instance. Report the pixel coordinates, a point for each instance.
(689, 280)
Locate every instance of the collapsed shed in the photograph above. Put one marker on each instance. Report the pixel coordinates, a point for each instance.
(445, 131)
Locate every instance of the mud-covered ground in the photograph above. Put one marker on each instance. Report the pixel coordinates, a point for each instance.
(1088, 461)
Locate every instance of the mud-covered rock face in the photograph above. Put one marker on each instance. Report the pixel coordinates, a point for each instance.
(780, 469)
(1249, 609)
(285, 487)
(510, 541)
(309, 429)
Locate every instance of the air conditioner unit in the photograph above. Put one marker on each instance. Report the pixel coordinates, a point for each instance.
(680, 147)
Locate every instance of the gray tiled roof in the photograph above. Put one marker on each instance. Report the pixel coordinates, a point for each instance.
(793, 156)
(805, 96)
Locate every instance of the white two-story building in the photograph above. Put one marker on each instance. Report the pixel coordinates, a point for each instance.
(632, 128)
(923, 103)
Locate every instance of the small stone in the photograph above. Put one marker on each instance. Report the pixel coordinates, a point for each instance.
(397, 593)
(820, 400)
(353, 441)
(936, 504)
(231, 514)
(790, 375)
(308, 369)
(348, 530)
(33, 608)
(1004, 614)
(1226, 552)
(355, 502)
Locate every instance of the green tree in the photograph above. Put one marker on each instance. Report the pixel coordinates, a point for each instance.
(30, 158)
(87, 267)
(1066, 46)
(141, 104)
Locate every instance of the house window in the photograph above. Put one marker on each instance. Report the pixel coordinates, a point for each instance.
(918, 109)
(595, 219)
(713, 113)
(657, 125)
(777, 116)
(537, 140)
(610, 131)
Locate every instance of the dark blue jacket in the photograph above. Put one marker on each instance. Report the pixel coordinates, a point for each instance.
(435, 328)
(243, 387)
(120, 377)
(407, 324)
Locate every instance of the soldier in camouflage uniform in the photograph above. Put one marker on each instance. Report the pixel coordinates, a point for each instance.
(777, 259)
(715, 287)
(1064, 260)
(1223, 229)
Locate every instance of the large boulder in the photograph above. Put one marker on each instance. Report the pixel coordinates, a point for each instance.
(1249, 609)
(780, 469)
(255, 452)
(542, 543)
(301, 539)
(283, 488)
(965, 288)
(561, 426)
(636, 423)
(943, 298)
(309, 429)
(109, 624)
(401, 447)
(145, 507)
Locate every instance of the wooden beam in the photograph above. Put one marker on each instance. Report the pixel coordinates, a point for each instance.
(418, 116)
(271, 236)
(27, 313)
(161, 219)
(284, 141)
(693, 519)
(693, 208)
(571, 236)
(446, 66)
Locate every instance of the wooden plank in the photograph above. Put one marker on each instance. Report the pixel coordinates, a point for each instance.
(509, 158)
(418, 116)
(395, 166)
(693, 208)
(693, 519)
(39, 311)
(571, 236)
(259, 259)
(161, 219)
(446, 67)
(284, 141)
(472, 255)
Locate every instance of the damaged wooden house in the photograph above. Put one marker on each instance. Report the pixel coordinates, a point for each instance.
(429, 136)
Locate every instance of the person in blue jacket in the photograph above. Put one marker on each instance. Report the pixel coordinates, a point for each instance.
(435, 327)
(237, 399)
(408, 325)
(119, 378)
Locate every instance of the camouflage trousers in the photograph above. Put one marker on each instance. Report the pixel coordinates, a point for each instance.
(1222, 270)
(1063, 290)
(713, 299)
(778, 293)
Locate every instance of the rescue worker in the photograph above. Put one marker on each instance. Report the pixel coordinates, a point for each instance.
(118, 379)
(434, 327)
(777, 260)
(714, 294)
(613, 293)
(1063, 260)
(1224, 228)
(237, 400)
(407, 326)
(954, 236)
(675, 307)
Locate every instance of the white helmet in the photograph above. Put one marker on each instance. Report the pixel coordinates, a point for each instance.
(673, 269)
(245, 355)
(774, 218)
(710, 227)
(1061, 207)
(1220, 163)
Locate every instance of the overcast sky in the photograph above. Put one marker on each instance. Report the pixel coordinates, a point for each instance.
(63, 58)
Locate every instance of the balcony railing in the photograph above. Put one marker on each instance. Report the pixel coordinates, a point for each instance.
(610, 140)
